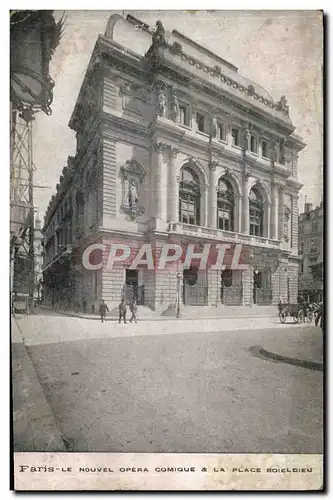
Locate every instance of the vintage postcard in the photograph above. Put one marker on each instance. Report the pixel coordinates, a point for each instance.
(166, 250)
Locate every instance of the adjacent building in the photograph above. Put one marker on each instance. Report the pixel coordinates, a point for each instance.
(311, 252)
(174, 145)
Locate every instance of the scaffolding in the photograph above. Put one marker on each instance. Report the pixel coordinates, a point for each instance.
(22, 205)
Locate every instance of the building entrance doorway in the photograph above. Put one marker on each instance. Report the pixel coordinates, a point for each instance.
(195, 289)
(231, 287)
(262, 291)
(132, 288)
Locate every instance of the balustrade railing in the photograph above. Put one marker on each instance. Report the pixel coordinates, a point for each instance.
(189, 229)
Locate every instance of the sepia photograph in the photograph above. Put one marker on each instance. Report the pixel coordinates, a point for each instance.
(167, 249)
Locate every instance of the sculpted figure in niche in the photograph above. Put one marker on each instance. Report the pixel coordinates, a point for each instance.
(282, 152)
(133, 194)
(273, 150)
(174, 104)
(160, 102)
(286, 222)
(213, 126)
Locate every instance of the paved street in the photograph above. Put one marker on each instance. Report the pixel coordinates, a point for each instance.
(148, 388)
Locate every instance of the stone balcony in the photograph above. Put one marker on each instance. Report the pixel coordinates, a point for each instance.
(225, 236)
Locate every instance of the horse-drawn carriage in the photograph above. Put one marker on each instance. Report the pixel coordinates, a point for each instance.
(295, 311)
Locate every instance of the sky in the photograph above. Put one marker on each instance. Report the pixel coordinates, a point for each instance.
(280, 50)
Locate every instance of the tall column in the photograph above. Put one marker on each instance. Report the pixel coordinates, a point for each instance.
(204, 206)
(212, 195)
(238, 214)
(267, 219)
(245, 202)
(173, 194)
(275, 211)
(281, 213)
(160, 185)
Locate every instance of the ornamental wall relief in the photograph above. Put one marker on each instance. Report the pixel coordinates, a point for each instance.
(133, 175)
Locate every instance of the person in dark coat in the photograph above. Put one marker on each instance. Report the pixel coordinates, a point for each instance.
(103, 309)
(122, 311)
(319, 315)
(133, 309)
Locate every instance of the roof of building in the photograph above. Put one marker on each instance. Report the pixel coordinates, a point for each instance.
(136, 36)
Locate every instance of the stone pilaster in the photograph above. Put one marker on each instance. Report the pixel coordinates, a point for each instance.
(293, 283)
(214, 286)
(294, 224)
(275, 211)
(238, 213)
(212, 195)
(267, 219)
(160, 181)
(245, 202)
(247, 280)
(173, 195)
(281, 213)
(204, 206)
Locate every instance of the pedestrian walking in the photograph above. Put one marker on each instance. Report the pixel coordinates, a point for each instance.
(319, 315)
(103, 309)
(122, 311)
(133, 308)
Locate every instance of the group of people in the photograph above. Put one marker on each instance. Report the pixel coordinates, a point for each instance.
(122, 308)
(316, 308)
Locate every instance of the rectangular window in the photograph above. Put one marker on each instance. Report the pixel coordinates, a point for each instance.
(235, 137)
(253, 144)
(188, 212)
(184, 115)
(221, 132)
(224, 220)
(314, 226)
(264, 149)
(201, 122)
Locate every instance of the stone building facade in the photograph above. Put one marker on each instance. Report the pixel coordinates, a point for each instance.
(311, 252)
(174, 145)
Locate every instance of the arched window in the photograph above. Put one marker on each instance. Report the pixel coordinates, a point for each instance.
(189, 197)
(225, 206)
(256, 213)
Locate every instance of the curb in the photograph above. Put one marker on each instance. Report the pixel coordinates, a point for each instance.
(310, 365)
(28, 433)
(162, 318)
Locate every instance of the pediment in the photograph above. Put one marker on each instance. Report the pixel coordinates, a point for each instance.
(133, 168)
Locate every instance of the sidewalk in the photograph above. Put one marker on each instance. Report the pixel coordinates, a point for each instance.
(188, 313)
(34, 425)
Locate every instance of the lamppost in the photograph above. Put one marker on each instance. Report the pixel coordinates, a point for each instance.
(179, 277)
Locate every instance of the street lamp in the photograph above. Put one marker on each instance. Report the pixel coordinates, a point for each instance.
(34, 36)
(179, 277)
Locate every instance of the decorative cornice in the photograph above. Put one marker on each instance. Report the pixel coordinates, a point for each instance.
(280, 106)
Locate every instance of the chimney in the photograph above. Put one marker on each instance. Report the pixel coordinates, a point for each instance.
(307, 207)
